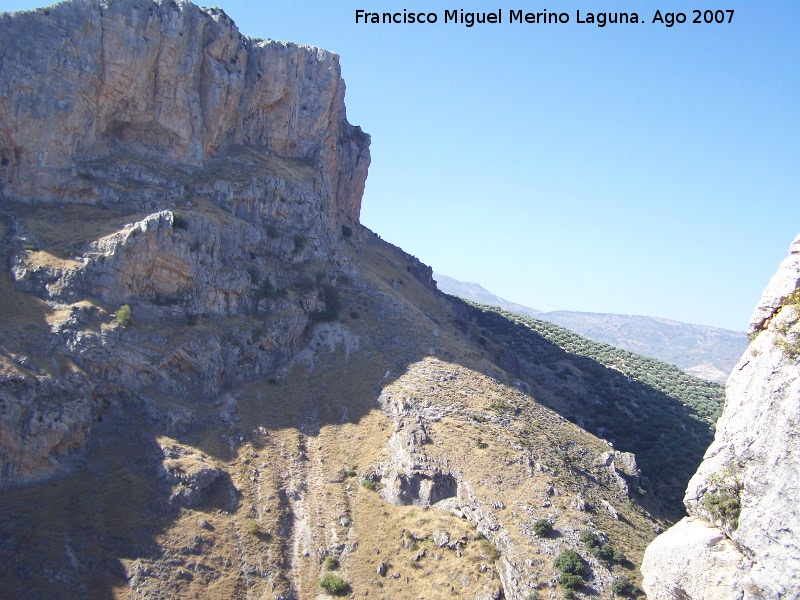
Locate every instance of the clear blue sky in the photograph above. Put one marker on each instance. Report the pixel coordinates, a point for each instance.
(633, 168)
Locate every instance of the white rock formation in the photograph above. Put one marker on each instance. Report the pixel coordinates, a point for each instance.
(743, 537)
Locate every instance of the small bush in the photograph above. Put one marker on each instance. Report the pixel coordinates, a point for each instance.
(570, 581)
(605, 553)
(368, 484)
(331, 563)
(569, 561)
(589, 538)
(333, 584)
(254, 528)
(724, 502)
(543, 528)
(346, 231)
(123, 315)
(623, 587)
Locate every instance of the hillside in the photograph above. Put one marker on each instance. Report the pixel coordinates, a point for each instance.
(706, 352)
(216, 383)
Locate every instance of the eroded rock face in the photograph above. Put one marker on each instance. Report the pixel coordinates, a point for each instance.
(743, 497)
(44, 427)
(232, 164)
(168, 80)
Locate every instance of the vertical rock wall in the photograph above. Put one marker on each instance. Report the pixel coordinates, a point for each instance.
(84, 78)
(741, 539)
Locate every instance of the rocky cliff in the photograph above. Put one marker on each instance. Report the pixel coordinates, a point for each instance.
(90, 87)
(148, 153)
(741, 538)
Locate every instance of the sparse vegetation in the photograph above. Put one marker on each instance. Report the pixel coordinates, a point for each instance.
(623, 586)
(641, 405)
(331, 563)
(723, 500)
(270, 292)
(253, 528)
(368, 484)
(788, 331)
(123, 315)
(330, 296)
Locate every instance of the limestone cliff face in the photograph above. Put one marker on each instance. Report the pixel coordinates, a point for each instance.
(165, 79)
(153, 156)
(741, 539)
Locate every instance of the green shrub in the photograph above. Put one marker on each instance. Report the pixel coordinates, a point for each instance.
(605, 553)
(253, 528)
(123, 315)
(333, 584)
(543, 528)
(623, 587)
(589, 538)
(569, 561)
(346, 231)
(570, 581)
(331, 563)
(368, 484)
(724, 502)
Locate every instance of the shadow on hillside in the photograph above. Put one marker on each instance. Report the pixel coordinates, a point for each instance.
(69, 538)
(667, 438)
(65, 538)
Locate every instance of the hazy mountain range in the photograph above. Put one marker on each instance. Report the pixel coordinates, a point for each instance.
(703, 351)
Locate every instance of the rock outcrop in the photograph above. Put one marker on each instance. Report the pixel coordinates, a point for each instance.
(741, 539)
(194, 171)
(166, 80)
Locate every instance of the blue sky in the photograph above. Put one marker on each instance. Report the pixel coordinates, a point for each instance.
(635, 169)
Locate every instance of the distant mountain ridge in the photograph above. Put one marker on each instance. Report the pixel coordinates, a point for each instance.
(700, 350)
